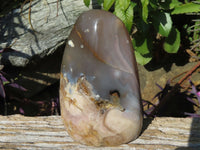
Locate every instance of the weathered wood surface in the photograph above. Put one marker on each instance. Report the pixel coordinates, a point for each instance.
(38, 29)
(38, 32)
(19, 132)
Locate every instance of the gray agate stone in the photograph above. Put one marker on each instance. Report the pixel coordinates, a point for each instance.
(99, 87)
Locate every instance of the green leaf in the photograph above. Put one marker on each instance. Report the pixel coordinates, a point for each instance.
(107, 4)
(143, 45)
(142, 60)
(129, 16)
(124, 4)
(87, 2)
(196, 32)
(174, 3)
(162, 23)
(186, 8)
(172, 42)
(125, 15)
(153, 4)
(145, 10)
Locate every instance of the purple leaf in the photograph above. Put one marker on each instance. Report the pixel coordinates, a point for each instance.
(161, 88)
(3, 78)
(157, 95)
(21, 110)
(40, 102)
(2, 91)
(144, 102)
(1, 51)
(192, 101)
(15, 85)
(198, 96)
(192, 115)
(148, 112)
(194, 91)
(54, 103)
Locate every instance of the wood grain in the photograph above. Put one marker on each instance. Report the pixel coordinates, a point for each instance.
(38, 29)
(20, 132)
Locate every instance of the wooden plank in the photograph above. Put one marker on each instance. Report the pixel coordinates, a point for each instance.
(38, 32)
(19, 132)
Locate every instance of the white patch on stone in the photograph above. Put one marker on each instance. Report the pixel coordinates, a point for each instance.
(70, 43)
(82, 77)
(86, 30)
(97, 97)
(65, 74)
(127, 41)
(117, 73)
(71, 69)
(82, 46)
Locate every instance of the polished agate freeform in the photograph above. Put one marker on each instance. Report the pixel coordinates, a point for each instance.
(99, 88)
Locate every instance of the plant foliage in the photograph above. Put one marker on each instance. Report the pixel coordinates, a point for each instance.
(150, 18)
(5, 80)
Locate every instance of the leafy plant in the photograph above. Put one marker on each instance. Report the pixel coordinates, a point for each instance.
(196, 93)
(179, 100)
(150, 19)
(5, 80)
(166, 101)
(195, 38)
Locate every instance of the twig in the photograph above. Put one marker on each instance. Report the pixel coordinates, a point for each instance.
(189, 73)
(177, 76)
(29, 15)
(173, 91)
(57, 9)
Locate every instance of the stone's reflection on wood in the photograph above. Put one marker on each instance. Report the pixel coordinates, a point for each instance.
(99, 87)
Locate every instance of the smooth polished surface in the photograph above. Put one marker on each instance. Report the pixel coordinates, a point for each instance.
(99, 87)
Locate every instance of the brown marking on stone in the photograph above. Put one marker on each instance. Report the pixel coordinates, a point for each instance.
(83, 86)
(73, 102)
(91, 137)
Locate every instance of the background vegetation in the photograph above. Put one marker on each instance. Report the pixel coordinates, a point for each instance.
(168, 23)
